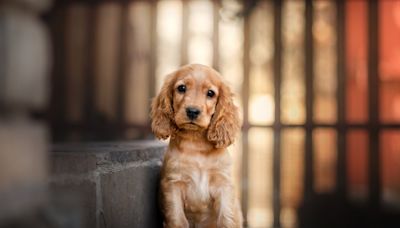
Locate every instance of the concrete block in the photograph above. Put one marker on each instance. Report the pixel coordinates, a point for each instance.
(23, 167)
(122, 177)
(81, 190)
(24, 60)
(72, 163)
(130, 197)
(107, 153)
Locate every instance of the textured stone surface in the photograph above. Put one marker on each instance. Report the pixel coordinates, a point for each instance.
(93, 155)
(130, 197)
(84, 191)
(72, 163)
(21, 199)
(118, 181)
(24, 59)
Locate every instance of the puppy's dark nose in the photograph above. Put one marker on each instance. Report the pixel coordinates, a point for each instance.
(192, 113)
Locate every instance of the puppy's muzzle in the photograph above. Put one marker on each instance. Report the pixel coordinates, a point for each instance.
(192, 113)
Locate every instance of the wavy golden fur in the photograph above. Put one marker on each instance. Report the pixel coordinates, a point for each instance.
(195, 109)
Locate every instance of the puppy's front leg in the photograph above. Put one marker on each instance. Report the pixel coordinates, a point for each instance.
(227, 209)
(172, 205)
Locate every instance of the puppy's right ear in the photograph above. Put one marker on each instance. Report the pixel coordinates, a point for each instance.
(162, 113)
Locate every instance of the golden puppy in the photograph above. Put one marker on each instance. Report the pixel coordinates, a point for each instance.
(195, 109)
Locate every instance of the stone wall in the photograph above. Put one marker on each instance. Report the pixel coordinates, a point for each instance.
(117, 183)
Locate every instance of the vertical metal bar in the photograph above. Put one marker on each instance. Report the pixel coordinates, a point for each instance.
(58, 98)
(185, 32)
(341, 91)
(277, 121)
(153, 53)
(3, 80)
(121, 80)
(245, 175)
(216, 7)
(153, 49)
(309, 80)
(373, 87)
(89, 119)
(245, 93)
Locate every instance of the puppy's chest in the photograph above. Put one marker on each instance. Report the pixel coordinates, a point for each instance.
(197, 186)
(201, 179)
(198, 192)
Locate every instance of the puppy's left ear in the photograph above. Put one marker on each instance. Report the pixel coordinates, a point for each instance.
(225, 123)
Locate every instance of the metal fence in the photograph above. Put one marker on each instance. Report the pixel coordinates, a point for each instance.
(94, 101)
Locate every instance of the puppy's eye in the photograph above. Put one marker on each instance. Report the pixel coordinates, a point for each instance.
(210, 93)
(181, 88)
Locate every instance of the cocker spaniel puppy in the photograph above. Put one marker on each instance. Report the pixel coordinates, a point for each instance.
(195, 109)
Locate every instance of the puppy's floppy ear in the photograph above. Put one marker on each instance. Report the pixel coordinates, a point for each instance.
(162, 113)
(225, 122)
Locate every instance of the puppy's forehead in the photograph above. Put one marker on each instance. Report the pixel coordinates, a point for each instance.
(199, 74)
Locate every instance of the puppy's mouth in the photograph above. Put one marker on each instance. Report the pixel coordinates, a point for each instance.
(191, 126)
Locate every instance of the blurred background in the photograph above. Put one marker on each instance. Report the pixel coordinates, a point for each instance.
(317, 82)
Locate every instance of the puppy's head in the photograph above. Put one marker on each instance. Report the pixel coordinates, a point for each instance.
(194, 98)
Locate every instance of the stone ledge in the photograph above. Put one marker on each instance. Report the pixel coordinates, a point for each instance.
(77, 158)
(121, 180)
